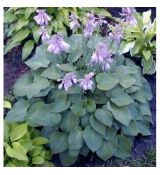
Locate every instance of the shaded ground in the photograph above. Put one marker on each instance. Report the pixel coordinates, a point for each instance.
(14, 68)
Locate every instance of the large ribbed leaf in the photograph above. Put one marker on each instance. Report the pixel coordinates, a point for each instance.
(40, 115)
(94, 41)
(18, 132)
(74, 152)
(126, 81)
(78, 109)
(75, 42)
(90, 105)
(21, 35)
(40, 59)
(147, 89)
(124, 147)
(104, 116)
(66, 159)
(60, 105)
(110, 133)
(137, 127)
(69, 121)
(17, 151)
(139, 96)
(52, 73)
(67, 67)
(106, 81)
(120, 113)
(107, 149)
(18, 112)
(125, 70)
(121, 98)
(75, 139)
(135, 111)
(27, 49)
(27, 86)
(97, 126)
(144, 108)
(92, 138)
(58, 142)
(75, 55)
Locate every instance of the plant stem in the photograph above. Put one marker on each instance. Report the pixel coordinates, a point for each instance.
(83, 44)
(119, 45)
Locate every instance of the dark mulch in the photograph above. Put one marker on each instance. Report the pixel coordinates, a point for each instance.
(116, 10)
(15, 68)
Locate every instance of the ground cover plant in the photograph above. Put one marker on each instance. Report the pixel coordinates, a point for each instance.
(24, 146)
(81, 92)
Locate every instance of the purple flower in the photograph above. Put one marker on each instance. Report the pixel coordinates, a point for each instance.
(44, 34)
(89, 29)
(57, 44)
(74, 24)
(102, 56)
(67, 81)
(128, 15)
(91, 17)
(87, 83)
(42, 18)
(116, 33)
(107, 64)
(90, 26)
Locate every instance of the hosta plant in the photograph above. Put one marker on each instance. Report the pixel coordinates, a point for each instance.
(83, 95)
(21, 28)
(24, 146)
(139, 39)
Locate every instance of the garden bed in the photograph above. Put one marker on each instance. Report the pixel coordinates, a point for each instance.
(15, 68)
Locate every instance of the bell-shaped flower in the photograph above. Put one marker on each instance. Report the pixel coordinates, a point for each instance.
(44, 34)
(90, 25)
(57, 44)
(86, 83)
(128, 15)
(117, 33)
(74, 23)
(102, 56)
(42, 17)
(67, 81)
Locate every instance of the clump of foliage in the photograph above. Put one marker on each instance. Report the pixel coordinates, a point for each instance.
(82, 93)
(23, 146)
(140, 41)
(21, 28)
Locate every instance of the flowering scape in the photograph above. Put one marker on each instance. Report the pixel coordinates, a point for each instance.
(102, 56)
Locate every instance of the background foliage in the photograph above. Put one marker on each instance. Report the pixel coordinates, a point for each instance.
(140, 41)
(21, 29)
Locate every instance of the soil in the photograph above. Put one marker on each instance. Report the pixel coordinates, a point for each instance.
(15, 68)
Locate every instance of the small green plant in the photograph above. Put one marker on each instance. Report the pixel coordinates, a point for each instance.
(7, 105)
(140, 41)
(23, 146)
